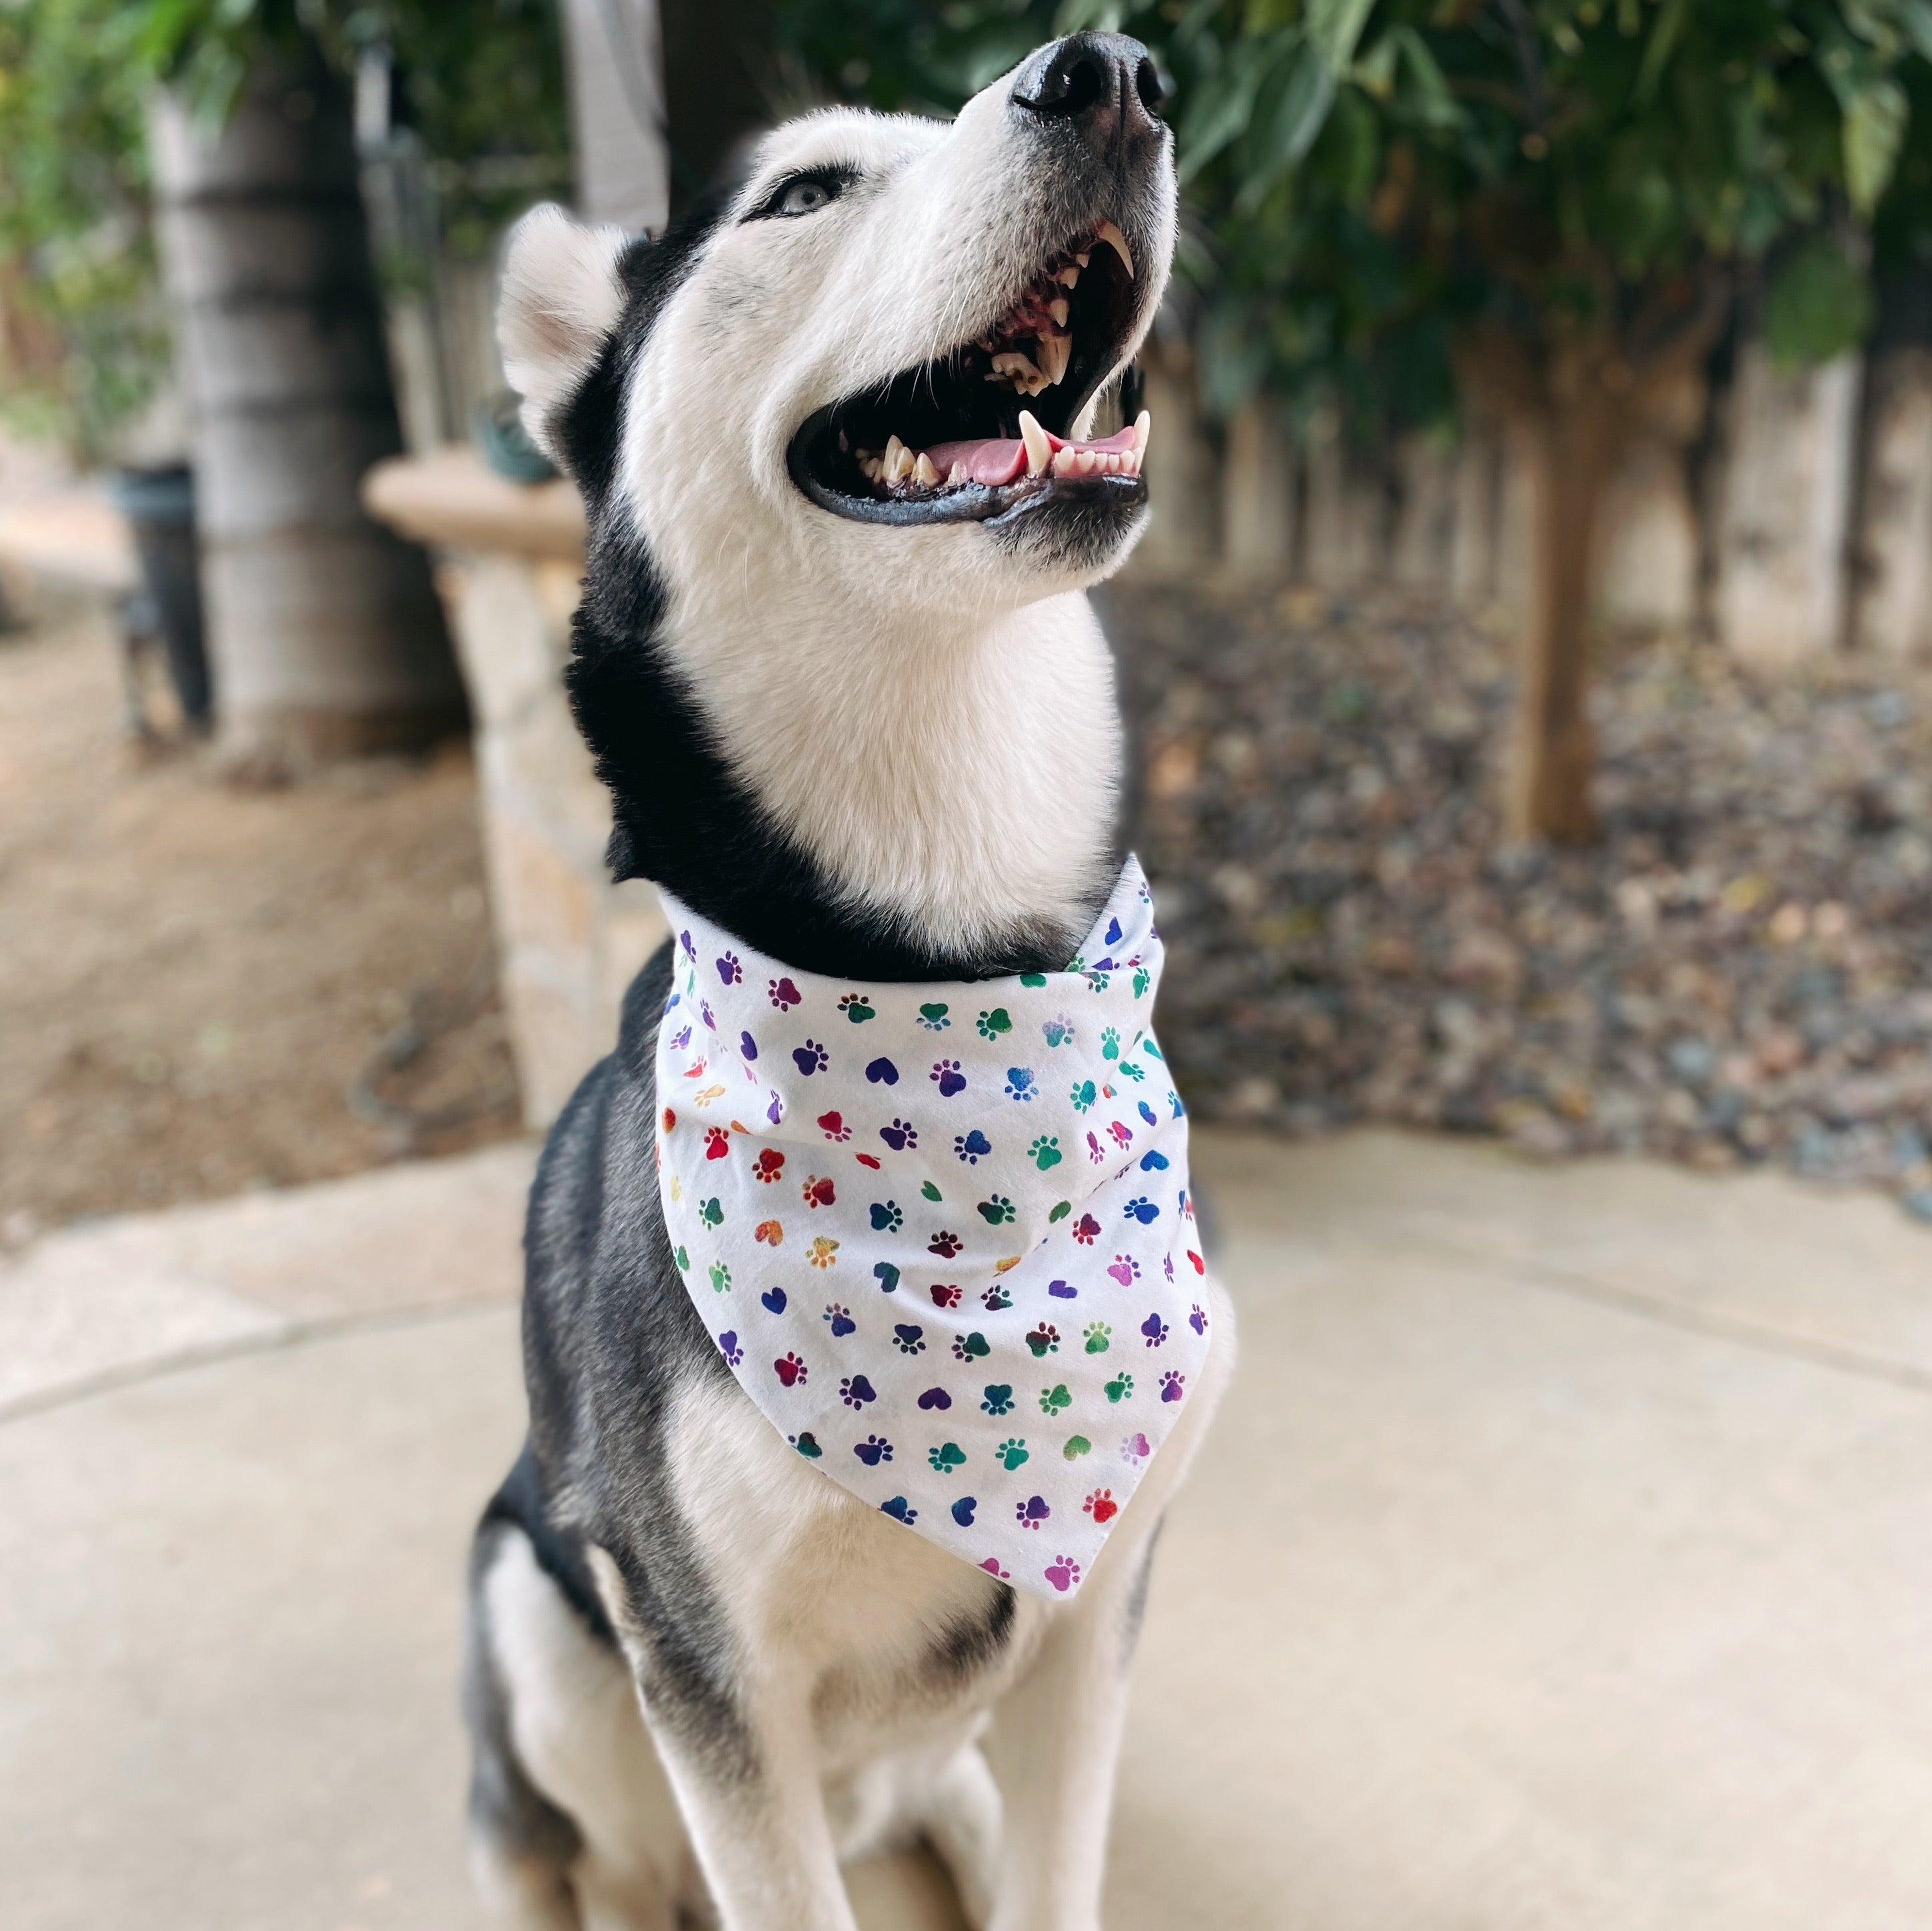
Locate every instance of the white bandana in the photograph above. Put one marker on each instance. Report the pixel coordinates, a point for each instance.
(941, 1234)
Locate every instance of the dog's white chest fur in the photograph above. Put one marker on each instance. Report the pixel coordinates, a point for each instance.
(962, 776)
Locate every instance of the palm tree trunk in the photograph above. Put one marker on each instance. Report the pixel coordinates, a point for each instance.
(325, 634)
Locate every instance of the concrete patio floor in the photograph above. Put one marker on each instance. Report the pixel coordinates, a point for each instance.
(1562, 1560)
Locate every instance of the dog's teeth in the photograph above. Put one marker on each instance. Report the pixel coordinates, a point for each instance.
(958, 476)
(1039, 451)
(1057, 309)
(1143, 429)
(1068, 276)
(1115, 240)
(900, 466)
(1063, 462)
(1020, 368)
(893, 447)
(1055, 352)
(1082, 257)
(924, 472)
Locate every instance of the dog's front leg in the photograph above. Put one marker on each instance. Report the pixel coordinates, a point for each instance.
(753, 1802)
(1054, 1745)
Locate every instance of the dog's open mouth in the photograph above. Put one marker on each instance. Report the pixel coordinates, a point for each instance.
(983, 429)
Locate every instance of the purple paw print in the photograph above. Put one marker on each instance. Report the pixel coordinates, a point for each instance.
(782, 994)
(1095, 1151)
(748, 1046)
(898, 1136)
(949, 1079)
(809, 1058)
(681, 1038)
(873, 1450)
(704, 1013)
(1063, 1573)
(1155, 1328)
(728, 1346)
(1135, 1448)
(1122, 1135)
(1197, 1319)
(1173, 1385)
(855, 1391)
(841, 1320)
(1030, 1514)
(1126, 1270)
(729, 970)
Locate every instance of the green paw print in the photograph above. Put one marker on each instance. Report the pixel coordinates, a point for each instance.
(931, 1191)
(1077, 1445)
(721, 1277)
(997, 1211)
(973, 1347)
(712, 1213)
(1052, 1400)
(1143, 978)
(1120, 1387)
(1061, 1209)
(1012, 1453)
(1032, 979)
(992, 1024)
(1110, 1042)
(948, 1456)
(683, 1259)
(1045, 1152)
(1084, 1096)
(1098, 1332)
(857, 1007)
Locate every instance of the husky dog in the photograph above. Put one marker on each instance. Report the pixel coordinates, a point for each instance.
(837, 665)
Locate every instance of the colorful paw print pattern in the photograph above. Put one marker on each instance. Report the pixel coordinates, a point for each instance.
(986, 1189)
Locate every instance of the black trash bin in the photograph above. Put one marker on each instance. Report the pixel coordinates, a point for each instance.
(159, 505)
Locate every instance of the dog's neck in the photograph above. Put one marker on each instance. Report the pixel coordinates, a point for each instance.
(861, 794)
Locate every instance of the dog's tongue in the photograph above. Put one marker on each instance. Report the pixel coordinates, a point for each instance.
(995, 459)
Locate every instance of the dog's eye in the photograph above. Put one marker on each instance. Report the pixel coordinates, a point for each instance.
(805, 193)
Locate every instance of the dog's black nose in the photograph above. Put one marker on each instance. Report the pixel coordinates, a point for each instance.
(1106, 84)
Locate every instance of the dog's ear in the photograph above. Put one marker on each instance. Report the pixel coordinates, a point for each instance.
(562, 296)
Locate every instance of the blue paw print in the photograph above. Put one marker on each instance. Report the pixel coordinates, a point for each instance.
(962, 1510)
(999, 1398)
(911, 1339)
(841, 1320)
(900, 1510)
(886, 1217)
(1144, 1210)
(809, 1058)
(1020, 1083)
(873, 1450)
(972, 1147)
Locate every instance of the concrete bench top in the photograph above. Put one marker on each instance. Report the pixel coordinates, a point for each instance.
(453, 497)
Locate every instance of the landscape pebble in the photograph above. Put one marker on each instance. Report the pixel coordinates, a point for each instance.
(1740, 972)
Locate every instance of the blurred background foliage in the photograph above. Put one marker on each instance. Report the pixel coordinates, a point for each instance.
(479, 82)
(1363, 179)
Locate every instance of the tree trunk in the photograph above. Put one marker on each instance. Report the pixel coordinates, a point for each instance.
(326, 636)
(1573, 445)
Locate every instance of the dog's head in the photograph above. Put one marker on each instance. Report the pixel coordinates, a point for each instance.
(866, 372)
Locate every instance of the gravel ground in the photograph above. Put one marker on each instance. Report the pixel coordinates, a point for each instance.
(1737, 973)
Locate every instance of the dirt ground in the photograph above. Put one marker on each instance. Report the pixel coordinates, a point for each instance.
(195, 979)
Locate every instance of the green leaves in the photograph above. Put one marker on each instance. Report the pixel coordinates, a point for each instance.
(1818, 304)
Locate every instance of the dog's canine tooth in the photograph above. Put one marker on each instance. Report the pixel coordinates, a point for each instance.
(1068, 276)
(1115, 240)
(1057, 309)
(1039, 451)
(900, 466)
(1083, 257)
(893, 446)
(1143, 429)
(923, 471)
(1055, 352)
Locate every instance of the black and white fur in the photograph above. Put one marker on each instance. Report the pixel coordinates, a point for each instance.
(700, 1674)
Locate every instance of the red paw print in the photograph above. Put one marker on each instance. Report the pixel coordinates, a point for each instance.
(1086, 1230)
(945, 1296)
(817, 1192)
(717, 1143)
(1101, 1505)
(670, 1119)
(791, 1370)
(833, 1126)
(768, 1165)
(946, 1245)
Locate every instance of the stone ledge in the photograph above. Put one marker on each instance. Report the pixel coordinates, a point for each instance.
(453, 497)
